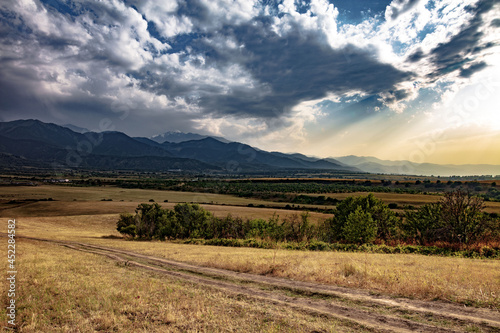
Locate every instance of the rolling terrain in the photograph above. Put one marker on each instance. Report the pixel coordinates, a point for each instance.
(34, 143)
(375, 165)
(358, 307)
(67, 233)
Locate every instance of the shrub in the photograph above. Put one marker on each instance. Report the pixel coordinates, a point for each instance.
(149, 220)
(457, 218)
(318, 246)
(126, 224)
(193, 221)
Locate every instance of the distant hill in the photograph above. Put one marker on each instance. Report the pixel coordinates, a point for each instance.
(37, 144)
(76, 128)
(36, 130)
(120, 144)
(34, 143)
(374, 165)
(243, 157)
(317, 162)
(177, 137)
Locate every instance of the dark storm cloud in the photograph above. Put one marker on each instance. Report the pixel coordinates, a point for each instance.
(91, 64)
(299, 67)
(16, 89)
(467, 72)
(452, 55)
(288, 69)
(193, 9)
(416, 56)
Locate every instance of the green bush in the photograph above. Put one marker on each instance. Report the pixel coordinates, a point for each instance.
(359, 227)
(456, 221)
(425, 224)
(463, 217)
(385, 223)
(315, 245)
(126, 224)
(457, 218)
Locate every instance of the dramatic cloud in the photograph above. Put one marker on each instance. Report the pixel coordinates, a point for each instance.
(464, 46)
(249, 70)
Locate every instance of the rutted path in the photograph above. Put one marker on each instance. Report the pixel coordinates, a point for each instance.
(381, 313)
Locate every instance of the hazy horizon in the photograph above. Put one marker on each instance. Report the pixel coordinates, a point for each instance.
(398, 80)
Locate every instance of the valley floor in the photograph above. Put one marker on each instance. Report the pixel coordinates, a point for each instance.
(75, 274)
(294, 305)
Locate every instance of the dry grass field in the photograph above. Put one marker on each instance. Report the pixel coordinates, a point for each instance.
(88, 201)
(71, 193)
(467, 281)
(64, 290)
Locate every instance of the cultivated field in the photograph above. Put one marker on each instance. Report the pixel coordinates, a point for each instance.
(147, 287)
(89, 200)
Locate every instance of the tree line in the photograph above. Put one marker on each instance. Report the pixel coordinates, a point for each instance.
(458, 218)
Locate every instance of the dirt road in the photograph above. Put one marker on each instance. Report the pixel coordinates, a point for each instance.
(376, 312)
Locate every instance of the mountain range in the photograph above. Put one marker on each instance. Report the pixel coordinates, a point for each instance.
(374, 165)
(177, 137)
(32, 143)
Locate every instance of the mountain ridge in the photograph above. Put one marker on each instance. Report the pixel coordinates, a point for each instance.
(177, 137)
(32, 141)
(372, 164)
(58, 145)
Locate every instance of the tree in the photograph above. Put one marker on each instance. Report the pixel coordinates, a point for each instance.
(359, 227)
(149, 220)
(385, 219)
(456, 218)
(424, 225)
(126, 224)
(462, 216)
(193, 221)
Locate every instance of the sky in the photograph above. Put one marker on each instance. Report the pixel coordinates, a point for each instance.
(401, 80)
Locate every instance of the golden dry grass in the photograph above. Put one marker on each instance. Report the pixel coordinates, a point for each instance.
(58, 208)
(62, 290)
(452, 279)
(469, 281)
(69, 193)
(88, 202)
